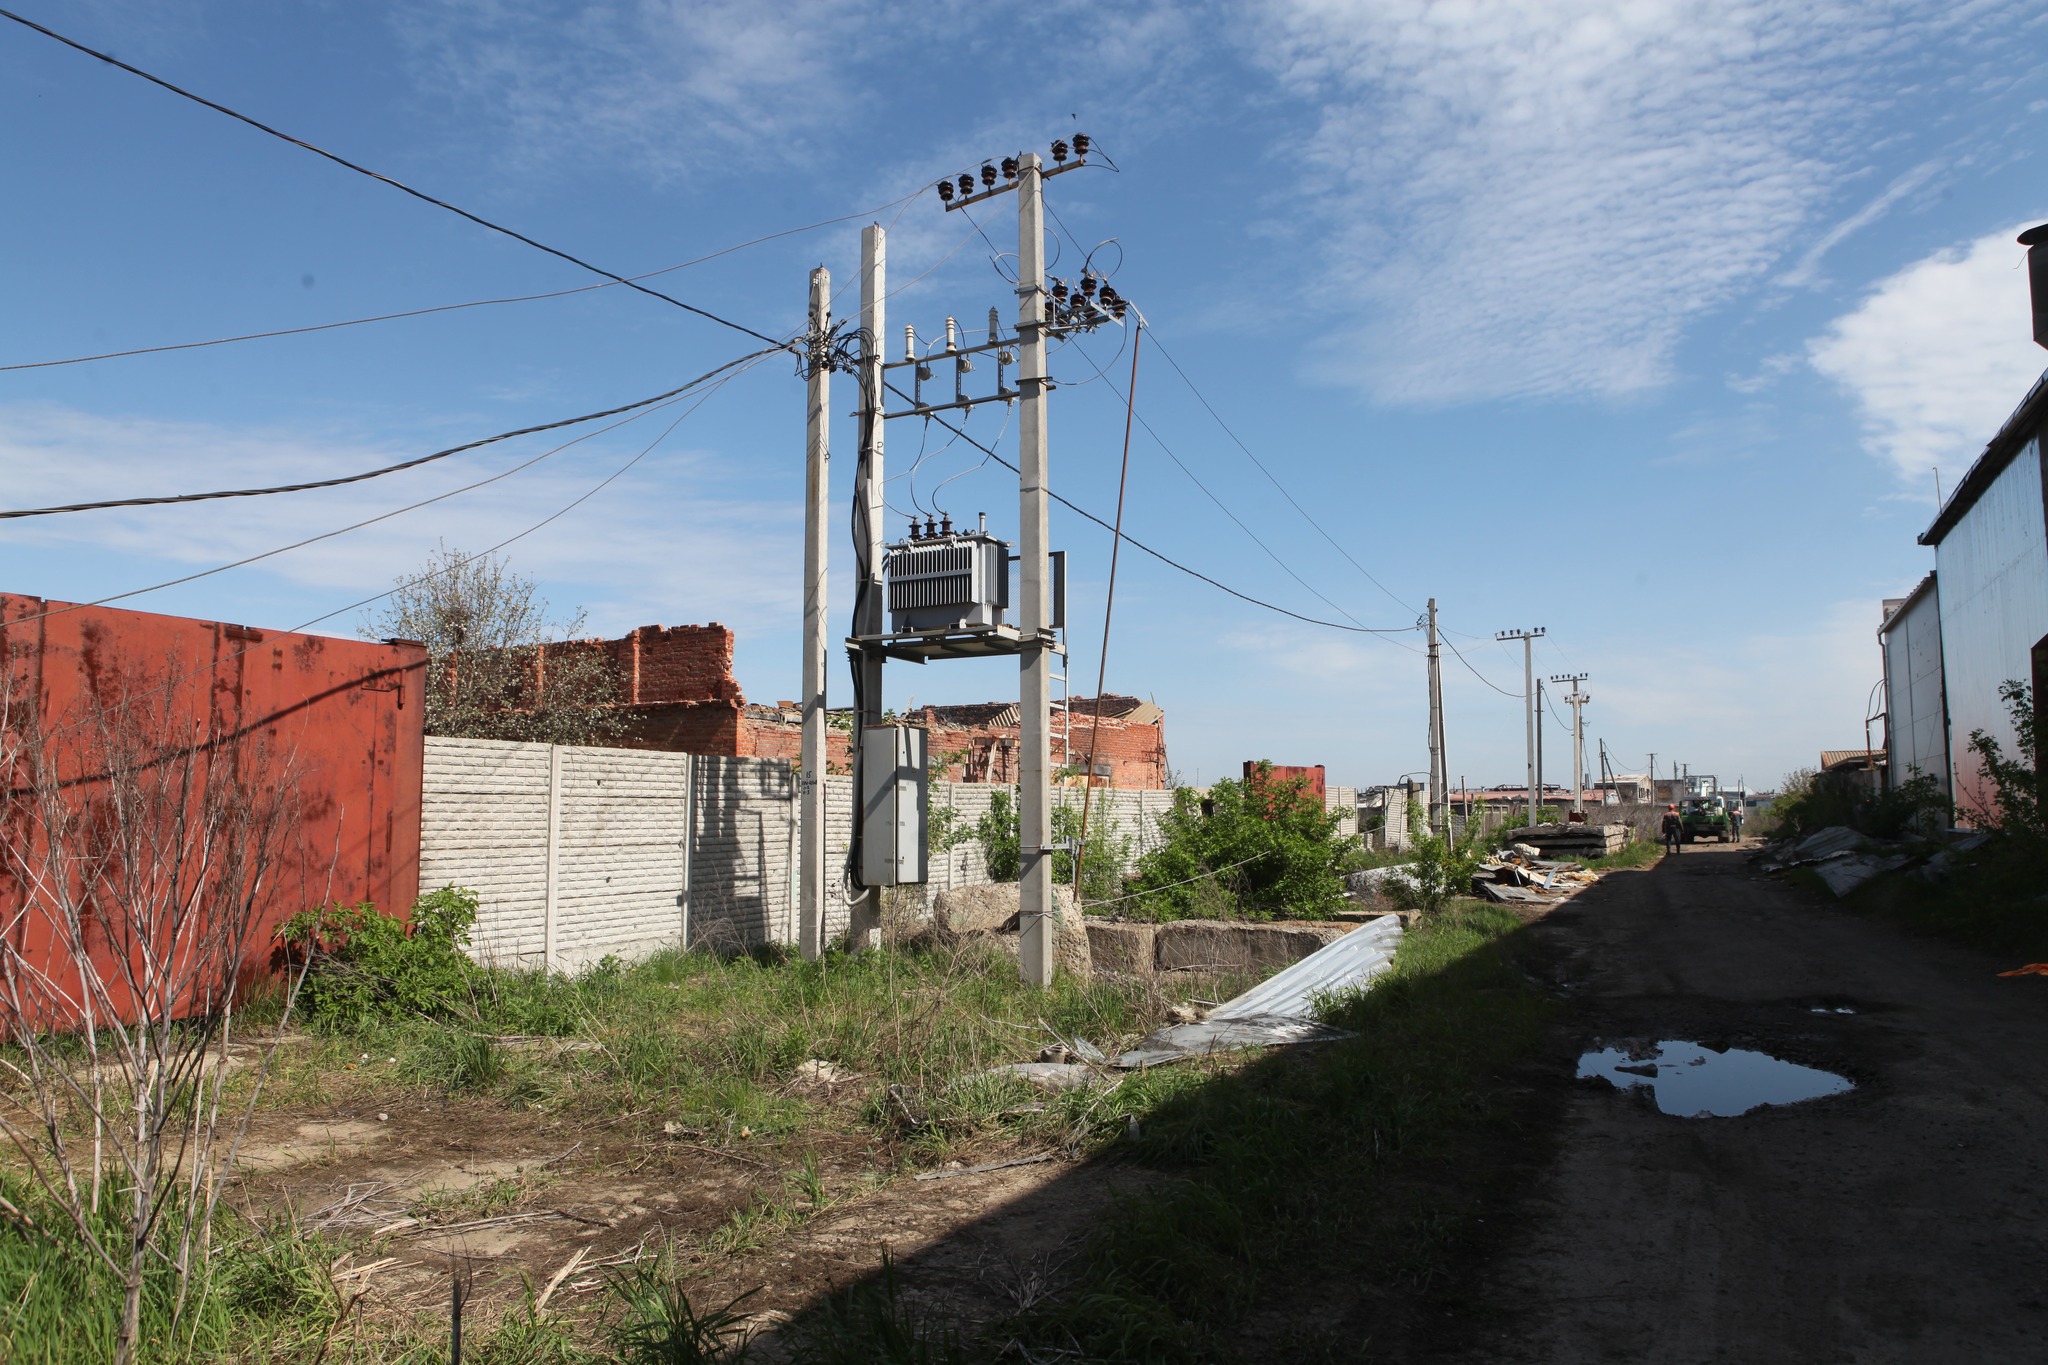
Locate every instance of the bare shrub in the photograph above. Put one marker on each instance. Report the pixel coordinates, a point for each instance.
(137, 842)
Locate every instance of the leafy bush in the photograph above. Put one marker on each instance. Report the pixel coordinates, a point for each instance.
(364, 967)
(1109, 850)
(1809, 801)
(1001, 847)
(1271, 846)
(2016, 806)
(1441, 869)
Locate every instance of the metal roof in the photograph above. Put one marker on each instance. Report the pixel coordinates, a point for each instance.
(1905, 603)
(2021, 427)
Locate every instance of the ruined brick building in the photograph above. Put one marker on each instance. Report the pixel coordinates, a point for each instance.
(676, 685)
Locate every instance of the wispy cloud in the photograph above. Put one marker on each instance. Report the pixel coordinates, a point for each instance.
(1937, 354)
(1531, 199)
(618, 553)
(1807, 271)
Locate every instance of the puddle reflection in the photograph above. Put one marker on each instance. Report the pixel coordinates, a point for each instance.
(1691, 1081)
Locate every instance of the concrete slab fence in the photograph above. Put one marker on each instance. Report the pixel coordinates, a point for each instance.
(579, 853)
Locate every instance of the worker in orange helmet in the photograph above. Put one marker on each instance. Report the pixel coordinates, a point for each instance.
(1674, 828)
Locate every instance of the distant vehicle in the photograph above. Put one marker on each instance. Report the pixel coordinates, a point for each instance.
(1704, 816)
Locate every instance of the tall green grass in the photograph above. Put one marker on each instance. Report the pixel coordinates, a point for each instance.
(1278, 1167)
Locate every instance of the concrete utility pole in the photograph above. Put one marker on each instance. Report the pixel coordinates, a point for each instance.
(1576, 699)
(1439, 766)
(1528, 639)
(1034, 699)
(1537, 798)
(871, 604)
(817, 485)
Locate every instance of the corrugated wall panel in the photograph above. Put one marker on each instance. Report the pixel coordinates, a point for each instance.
(484, 827)
(1993, 569)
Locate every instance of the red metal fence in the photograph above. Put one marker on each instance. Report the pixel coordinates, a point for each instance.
(333, 725)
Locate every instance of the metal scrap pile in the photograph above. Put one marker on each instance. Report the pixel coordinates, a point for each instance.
(1521, 873)
(1845, 859)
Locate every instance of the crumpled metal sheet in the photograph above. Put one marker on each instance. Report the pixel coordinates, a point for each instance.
(1833, 839)
(1281, 1008)
(1845, 874)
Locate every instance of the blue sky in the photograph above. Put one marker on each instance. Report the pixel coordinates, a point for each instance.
(1644, 322)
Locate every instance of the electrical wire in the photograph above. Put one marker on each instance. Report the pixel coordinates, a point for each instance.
(395, 512)
(1270, 477)
(1172, 563)
(1468, 664)
(454, 307)
(1239, 521)
(398, 185)
(387, 469)
(403, 584)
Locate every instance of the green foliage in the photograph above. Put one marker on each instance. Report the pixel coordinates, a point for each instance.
(1295, 1150)
(658, 1325)
(258, 1296)
(1001, 846)
(1269, 846)
(364, 967)
(1441, 867)
(870, 1324)
(1107, 855)
(2015, 807)
(1808, 801)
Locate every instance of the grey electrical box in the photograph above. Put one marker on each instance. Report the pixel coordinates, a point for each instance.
(894, 803)
(953, 581)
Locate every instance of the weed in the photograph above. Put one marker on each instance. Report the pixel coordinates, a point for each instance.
(660, 1326)
(870, 1324)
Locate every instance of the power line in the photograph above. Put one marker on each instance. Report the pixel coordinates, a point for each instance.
(1164, 559)
(400, 186)
(455, 307)
(402, 584)
(1211, 410)
(1475, 672)
(1225, 509)
(387, 469)
(400, 511)
(1270, 478)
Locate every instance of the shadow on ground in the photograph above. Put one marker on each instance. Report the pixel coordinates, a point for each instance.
(1316, 1203)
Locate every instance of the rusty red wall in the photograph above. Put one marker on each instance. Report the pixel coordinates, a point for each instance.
(1313, 776)
(346, 712)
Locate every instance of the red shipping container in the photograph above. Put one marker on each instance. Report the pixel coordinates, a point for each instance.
(338, 721)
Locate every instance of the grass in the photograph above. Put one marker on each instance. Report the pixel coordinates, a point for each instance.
(1990, 900)
(1262, 1158)
(1281, 1164)
(1635, 853)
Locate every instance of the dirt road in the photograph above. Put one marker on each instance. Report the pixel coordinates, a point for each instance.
(1901, 1221)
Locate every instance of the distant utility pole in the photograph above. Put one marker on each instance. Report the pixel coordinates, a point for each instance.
(1577, 699)
(1439, 766)
(1538, 798)
(817, 486)
(1528, 637)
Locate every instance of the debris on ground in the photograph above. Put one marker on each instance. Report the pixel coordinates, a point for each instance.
(1569, 839)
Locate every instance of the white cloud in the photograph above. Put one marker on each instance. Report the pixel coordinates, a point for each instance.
(1533, 199)
(619, 553)
(1937, 355)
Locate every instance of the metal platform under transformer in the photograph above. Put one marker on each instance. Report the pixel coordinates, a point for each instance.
(980, 642)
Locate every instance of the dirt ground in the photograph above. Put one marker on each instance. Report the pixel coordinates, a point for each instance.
(1897, 1222)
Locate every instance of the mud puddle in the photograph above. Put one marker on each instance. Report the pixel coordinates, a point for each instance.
(1691, 1081)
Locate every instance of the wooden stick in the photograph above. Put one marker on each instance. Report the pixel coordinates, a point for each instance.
(568, 1266)
(991, 1166)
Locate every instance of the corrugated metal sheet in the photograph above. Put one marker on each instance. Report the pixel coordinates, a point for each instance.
(1993, 566)
(1916, 727)
(347, 713)
(1281, 1008)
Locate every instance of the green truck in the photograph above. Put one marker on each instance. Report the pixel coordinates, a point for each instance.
(1707, 816)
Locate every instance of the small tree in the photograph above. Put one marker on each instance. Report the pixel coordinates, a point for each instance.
(491, 670)
(1441, 866)
(2015, 806)
(136, 846)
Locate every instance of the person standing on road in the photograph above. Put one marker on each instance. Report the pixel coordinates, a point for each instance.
(1674, 828)
(1735, 821)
